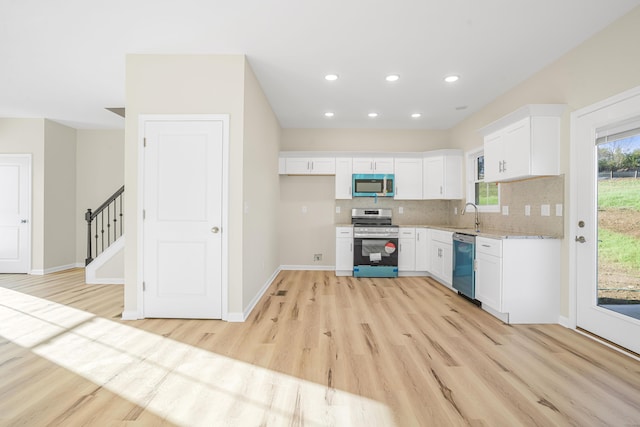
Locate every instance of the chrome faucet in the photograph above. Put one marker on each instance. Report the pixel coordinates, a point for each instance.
(477, 218)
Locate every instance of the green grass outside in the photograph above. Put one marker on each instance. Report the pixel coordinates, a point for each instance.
(614, 247)
(619, 248)
(619, 193)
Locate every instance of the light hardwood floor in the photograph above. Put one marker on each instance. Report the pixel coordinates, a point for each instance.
(317, 350)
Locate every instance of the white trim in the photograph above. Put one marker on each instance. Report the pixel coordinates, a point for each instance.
(42, 272)
(565, 321)
(235, 317)
(470, 181)
(224, 118)
(100, 260)
(130, 315)
(606, 344)
(308, 267)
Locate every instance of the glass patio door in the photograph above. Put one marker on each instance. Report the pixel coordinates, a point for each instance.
(605, 171)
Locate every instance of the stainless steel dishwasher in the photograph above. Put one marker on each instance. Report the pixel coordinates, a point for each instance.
(464, 255)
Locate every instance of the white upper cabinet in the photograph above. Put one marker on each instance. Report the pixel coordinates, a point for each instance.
(344, 167)
(523, 144)
(442, 175)
(373, 165)
(310, 166)
(408, 177)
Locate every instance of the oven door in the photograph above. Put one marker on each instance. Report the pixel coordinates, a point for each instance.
(375, 251)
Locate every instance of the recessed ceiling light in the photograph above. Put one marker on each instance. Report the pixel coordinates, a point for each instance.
(452, 78)
(329, 114)
(392, 78)
(331, 77)
(373, 115)
(416, 115)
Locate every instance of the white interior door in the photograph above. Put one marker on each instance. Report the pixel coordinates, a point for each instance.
(591, 239)
(15, 213)
(182, 219)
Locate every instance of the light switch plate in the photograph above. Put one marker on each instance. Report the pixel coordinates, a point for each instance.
(545, 210)
(527, 210)
(337, 209)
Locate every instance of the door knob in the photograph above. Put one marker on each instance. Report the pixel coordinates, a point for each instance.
(23, 221)
(215, 230)
(580, 239)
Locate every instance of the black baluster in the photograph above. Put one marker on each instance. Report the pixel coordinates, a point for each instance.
(108, 226)
(87, 217)
(102, 231)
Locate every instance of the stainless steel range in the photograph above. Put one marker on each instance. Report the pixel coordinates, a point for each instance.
(375, 243)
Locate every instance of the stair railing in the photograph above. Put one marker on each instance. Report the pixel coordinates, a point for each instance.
(99, 238)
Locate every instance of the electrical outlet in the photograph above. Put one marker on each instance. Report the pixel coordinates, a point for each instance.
(337, 209)
(527, 210)
(505, 210)
(455, 210)
(545, 210)
(559, 209)
(400, 210)
(304, 209)
(317, 257)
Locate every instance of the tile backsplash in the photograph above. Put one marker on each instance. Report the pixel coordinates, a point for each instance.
(539, 194)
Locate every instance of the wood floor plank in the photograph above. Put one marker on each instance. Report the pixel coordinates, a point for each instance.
(316, 350)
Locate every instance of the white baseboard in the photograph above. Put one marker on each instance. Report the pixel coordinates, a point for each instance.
(42, 272)
(308, 267)
(130, 315)
(241, 317)
(564, 321)
(106, 281)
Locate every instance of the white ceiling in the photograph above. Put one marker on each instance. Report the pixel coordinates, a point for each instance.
(65, 60)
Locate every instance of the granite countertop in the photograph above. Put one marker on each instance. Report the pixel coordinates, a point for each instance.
(489, 233)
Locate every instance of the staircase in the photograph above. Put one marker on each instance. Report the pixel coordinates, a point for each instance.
(105, 241)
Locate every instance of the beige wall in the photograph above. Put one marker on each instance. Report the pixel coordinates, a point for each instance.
(260, 189)
(603, 66)
(363, 140)
(99, 172)
(59, 196)
(185, 84)
(26, 136)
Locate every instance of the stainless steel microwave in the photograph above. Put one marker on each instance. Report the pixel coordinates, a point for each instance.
(372, 185)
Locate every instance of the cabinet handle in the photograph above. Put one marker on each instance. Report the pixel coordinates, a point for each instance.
(311, 165)
(441, 189)
(500, 166)
(504, 166)
(486, 246)
(351, 247)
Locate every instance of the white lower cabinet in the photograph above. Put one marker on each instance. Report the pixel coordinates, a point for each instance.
(407, 252)
(518, 280)
(422, 249)
(344, 251)
(441, 258)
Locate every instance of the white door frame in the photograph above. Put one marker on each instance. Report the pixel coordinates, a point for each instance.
(142, 120)
(29, 158)
(573, 200)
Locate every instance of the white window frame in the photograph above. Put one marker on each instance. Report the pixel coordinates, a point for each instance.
(471, 157)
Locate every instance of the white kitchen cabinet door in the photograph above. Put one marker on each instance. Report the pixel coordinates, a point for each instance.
(344, 167)
(344, 251)
(422, 249)
(373, 165)
(493, 155)
(489, 272)
(523, 144)
(323, 166)
(433, 173)
(297, 165)
(310, 165)
(441, 258)
(442, 175)
(407, 252)
(408, 176)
